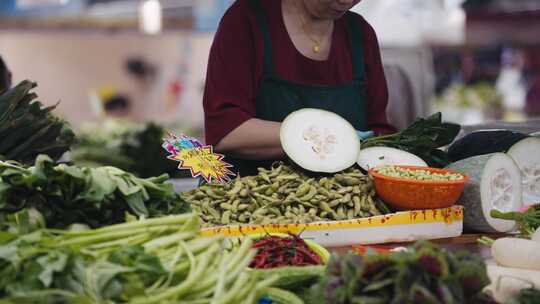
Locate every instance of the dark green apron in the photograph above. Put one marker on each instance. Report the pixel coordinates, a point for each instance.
(277, 97)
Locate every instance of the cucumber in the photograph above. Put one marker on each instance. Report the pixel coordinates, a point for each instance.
(495, 184)
(280, 296)
(483, 142)
(293, 276)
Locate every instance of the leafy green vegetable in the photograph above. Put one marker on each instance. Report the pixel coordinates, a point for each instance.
(129, 146)
(425, 274)
(526, 296)
(160, 260)
(28, 129)
(423, 138)
(528, 221)
(95, 196)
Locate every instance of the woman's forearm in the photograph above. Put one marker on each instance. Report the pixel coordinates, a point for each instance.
(254, 139)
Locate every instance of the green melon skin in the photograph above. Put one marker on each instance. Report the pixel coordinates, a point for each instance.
(475, 220)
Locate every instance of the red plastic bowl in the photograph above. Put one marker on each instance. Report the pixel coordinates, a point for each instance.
(410, 194)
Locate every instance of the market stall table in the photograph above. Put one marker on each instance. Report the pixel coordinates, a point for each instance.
(467, 242)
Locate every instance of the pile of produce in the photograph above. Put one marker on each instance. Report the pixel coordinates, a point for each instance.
(129, 146)
(424, 274)
(522, 148)
(517, 260)
(480, 96)
(160, 260)
(417, 174)
(28, 129)
(423, 138)
(95, 196)
(500, 181)
(276, 251)
(503, 249)
(282, 195)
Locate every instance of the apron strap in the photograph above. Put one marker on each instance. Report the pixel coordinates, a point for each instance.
(268, 63)
(356, 37)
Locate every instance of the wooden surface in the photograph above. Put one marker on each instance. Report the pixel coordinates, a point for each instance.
(465, 241)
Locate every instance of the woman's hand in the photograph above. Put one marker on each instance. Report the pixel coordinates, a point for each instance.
(254, 139)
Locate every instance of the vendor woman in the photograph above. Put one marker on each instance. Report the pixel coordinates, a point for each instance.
(272, 57)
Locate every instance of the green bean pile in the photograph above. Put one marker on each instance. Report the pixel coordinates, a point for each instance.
(418, 174)
(283, 196)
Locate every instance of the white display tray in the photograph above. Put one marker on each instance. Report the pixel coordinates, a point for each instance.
(396, 227)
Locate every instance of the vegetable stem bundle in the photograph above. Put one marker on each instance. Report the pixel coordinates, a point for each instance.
(160, 260)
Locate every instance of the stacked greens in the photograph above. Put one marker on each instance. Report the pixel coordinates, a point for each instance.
(95, 196)
(160, 260)
(425, 274)
(28, 129)
(422, 138)
(129, 146)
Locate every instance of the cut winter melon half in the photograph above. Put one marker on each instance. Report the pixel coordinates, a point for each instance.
(526, 153)
(319, 141)
(384, 156)
(495, 183)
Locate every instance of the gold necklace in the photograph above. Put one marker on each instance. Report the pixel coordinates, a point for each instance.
(316, 43)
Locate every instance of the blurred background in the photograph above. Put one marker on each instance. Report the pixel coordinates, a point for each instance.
(477, 61)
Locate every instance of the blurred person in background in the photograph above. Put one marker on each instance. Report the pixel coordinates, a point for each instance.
(117, 106)
(532, 103)
(5, 76)
(108, 102)
(272, 57)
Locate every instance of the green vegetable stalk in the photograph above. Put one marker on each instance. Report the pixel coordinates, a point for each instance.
(159, 260)
(423, 138)
(527, 221)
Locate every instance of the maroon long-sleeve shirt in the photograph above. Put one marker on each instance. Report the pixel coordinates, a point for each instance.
(235, 68)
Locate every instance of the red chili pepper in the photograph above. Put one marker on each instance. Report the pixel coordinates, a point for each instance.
(309, 255)
(275, 251)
